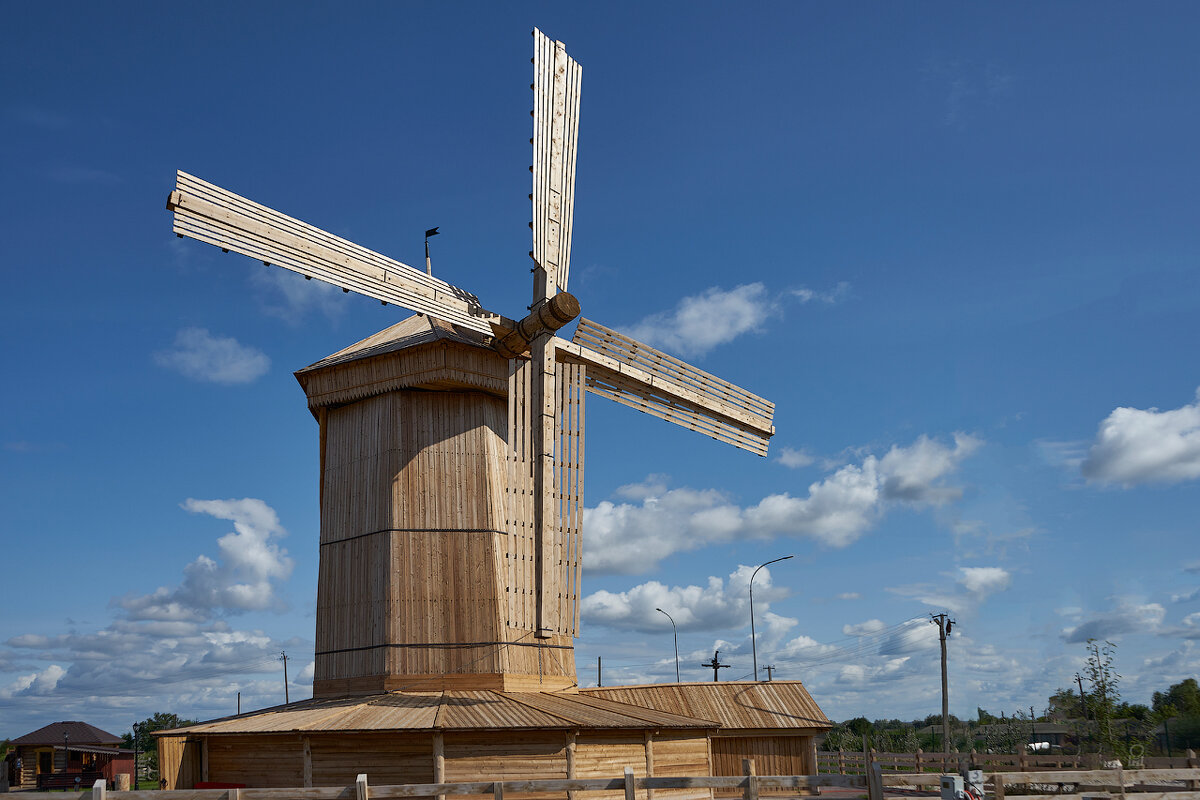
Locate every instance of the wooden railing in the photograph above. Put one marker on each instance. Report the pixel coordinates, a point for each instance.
(848, 762)
(1079, 784)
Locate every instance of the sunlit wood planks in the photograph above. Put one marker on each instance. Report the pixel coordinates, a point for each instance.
(556, 86)
(568, 492)
(208, 213)
(639, 376)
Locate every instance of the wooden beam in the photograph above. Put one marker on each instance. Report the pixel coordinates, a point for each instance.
(208, 213)
(545, 522)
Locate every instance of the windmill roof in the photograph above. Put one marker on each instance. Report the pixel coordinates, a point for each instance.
(77, 733)
(416, 330)
(737, 705)
(449, 711)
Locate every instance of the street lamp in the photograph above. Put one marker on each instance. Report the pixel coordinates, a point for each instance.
(753, 643)
(676, 630)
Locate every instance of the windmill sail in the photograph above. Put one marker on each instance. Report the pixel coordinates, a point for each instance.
(217, 216)
(556, 85)
(639, 376)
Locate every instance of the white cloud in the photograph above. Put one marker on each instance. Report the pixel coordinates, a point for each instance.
(1128, 616)
(834, 295)
(793, 458)
(704, 321)
(869, 628)
(201, 356)
(716, 606)
(1146, 446)
(633, 537)
(298, 296)
(848, 596)
(35, 683)
(241, 580)
(972, 585)
(984, 580)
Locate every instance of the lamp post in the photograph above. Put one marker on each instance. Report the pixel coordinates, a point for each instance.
(753, 643)
(676, 630)
(66, 752)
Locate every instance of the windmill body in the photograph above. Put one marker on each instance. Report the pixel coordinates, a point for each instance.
(451, 505)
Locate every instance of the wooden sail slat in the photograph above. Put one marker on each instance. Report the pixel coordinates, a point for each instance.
(630, 351)
(668, 386)
(215, 216)
(556, 85)
(633, 396)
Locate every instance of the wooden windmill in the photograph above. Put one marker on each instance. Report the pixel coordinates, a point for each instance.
(452, 443)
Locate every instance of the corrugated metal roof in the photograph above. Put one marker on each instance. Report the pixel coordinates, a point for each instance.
(460, 710)
(77, 732)
(734, 705)
(410, 332)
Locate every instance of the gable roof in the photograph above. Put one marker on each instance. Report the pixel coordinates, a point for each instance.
(737, 705)
(448, 711)
(77, 733)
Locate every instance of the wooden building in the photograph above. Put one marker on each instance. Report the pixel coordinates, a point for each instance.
(407, 737)
(70, 748)
(776, 723)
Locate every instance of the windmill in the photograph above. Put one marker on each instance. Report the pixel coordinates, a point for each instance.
(546, 375)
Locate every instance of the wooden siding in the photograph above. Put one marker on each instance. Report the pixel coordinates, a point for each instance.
(255, 761)
(778, 754)
(531, 755)
(179, 761)
(388, 758)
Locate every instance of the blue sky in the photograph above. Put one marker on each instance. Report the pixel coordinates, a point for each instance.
(955, 244)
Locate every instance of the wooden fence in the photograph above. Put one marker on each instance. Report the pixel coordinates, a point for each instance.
(1081, 785)
(849, 762)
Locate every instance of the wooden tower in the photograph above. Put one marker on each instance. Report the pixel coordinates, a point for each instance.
(452, 443)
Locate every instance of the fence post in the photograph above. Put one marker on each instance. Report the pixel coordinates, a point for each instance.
(841, 763)
(498, 790)
(998, 785)
(875, 782)
(1023, 760)
(361, 792)
(917, 761)
(751, 790)
(99, 789)
(1193, 762)
(630, 786)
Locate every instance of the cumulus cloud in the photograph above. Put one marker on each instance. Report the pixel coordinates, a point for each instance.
(34, 684)
(240, 579)
(704, 321)
(1128, 616)
(1135, 446)
(292, 298)
(793, 458)
(869, 628)
(201, 356)
(720, 604)
(633, 537)
(971, 586)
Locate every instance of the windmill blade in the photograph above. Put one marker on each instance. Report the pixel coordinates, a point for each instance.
(556, 85)
(217, 216)
(639, 376)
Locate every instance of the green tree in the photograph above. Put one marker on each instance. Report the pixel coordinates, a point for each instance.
(146, 743)
(1181, 699)
(1065, 704)
(1104, 695)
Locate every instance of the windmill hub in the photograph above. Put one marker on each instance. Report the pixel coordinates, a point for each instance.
(546, 318)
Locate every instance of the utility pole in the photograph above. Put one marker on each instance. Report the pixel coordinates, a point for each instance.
(769, 668)
(1083, 706)
(945, 624)
(676, 631)
(599, 671)
(716, 665)
(283, 658)
(753, 638)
